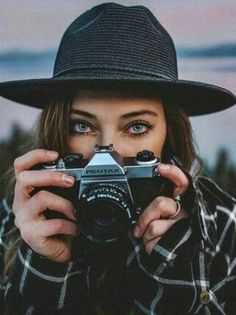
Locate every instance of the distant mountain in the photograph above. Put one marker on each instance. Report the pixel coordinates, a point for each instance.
(221, 50)
(24, 64)
(26, 56)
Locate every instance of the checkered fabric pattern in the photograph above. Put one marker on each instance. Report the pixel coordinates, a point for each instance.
(192, 269)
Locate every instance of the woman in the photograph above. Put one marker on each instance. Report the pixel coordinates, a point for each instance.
(115, 82)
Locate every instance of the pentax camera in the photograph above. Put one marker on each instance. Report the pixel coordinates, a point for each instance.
(110, 191)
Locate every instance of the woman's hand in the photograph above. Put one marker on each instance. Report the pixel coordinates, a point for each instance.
(49, 238)
(156, 219)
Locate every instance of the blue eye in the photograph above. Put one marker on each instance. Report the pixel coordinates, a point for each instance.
(138, 128)
(79, 127)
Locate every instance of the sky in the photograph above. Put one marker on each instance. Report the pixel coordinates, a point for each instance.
(32, 23)
(37, 26)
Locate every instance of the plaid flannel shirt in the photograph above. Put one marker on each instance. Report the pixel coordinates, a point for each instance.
(192, 269)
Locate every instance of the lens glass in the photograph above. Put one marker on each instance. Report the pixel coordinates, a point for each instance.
(104, 217)
(105, 212)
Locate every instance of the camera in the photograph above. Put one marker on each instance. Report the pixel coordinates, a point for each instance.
(110, 191)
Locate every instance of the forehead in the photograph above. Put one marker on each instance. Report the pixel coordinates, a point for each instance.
(115, 93)
(115, 101)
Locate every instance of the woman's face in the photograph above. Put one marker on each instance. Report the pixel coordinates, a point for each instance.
(130, 123)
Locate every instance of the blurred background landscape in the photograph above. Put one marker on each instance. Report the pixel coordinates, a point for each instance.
(204, 35)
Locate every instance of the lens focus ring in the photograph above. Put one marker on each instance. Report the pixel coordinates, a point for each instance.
(105, 212)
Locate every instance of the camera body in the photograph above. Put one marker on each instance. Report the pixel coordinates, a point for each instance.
(110, 191)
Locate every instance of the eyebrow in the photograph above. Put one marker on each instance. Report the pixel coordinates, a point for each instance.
(139, 113)
(83, 113)
(124, 116)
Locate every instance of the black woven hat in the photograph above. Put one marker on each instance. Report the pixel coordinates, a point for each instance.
(115, 46)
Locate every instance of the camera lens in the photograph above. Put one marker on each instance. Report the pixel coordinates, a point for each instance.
(104, 217)
(104, 213)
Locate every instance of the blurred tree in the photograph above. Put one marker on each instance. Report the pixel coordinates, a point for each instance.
(232, 180)
(220, 170)
(224, 172)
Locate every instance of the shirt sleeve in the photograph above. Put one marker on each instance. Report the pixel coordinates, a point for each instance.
(148, 274)
(192, 268)
(40, 286)
(227, 249)
(36, 285)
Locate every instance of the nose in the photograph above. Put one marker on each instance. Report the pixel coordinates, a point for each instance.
(113, 136)
(110, 137)
(106, 138)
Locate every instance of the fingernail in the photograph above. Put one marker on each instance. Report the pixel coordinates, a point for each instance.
(136, 231)
(68, 180)
(163, 167)
(52, 154)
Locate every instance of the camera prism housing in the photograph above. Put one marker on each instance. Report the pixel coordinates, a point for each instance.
(110, 192)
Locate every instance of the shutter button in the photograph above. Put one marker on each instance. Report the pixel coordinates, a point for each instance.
(205, 297)
(145, 157)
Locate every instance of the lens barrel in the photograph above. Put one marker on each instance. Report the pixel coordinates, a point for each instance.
(104, 212)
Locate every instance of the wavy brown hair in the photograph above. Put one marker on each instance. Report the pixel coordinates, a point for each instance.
(53, 133)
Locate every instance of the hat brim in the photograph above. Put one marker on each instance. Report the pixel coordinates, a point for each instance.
(195, 98)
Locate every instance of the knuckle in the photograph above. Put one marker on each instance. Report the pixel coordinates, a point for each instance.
(14, 207)
(42, 196)
(183, 179)
(19, 220)
(159, 203)
(182, 188)
(58, 225)
(69, 205)
(26, 235)
(17, 163)
(173, 168)
(56, 177)
(16, 222)
(69, 208)
(40, 153)
(74, 229)
(152, 228)
(21, 178)
(141, 221)
(185, 182)
(60, 176)
(148, 248)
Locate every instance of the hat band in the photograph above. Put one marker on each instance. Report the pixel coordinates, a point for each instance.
(110, 72)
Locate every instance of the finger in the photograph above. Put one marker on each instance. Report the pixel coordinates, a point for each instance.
(176, 175)
(156, 229)
(160, 207)
(150, 245)
(34, 208)
(56, 227)
(28, 160)
(38, 234)
(28, 180)
(43, 178)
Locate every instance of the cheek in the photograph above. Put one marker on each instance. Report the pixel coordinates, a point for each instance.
(153, 142)
(159, 141)
(82, 145)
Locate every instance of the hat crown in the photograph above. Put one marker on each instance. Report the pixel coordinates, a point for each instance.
(118, 47)
(116, 38)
